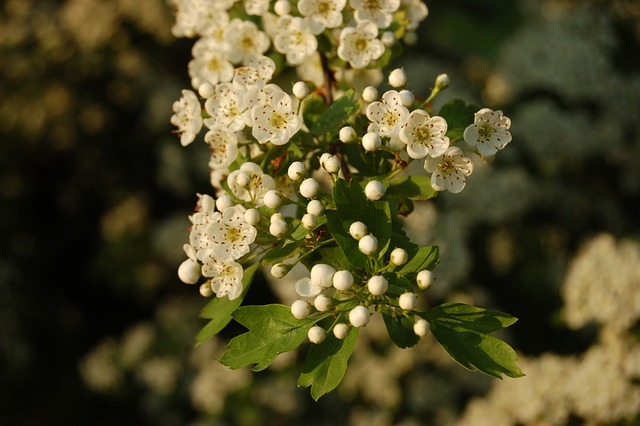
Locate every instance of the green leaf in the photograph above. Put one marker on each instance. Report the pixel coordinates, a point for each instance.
(272, 331)
(397, 285)
(461, 330)
(426, 257)
(313, 108)
(334, 117)
(400, 328)
(458, 116)
(414, 187)
(282, 251)
(219, 309)
(326, 364)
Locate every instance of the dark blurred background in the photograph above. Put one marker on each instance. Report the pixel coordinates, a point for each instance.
(95, 327)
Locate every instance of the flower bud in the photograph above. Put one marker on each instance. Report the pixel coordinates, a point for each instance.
(407, 97)
(424, 279)
(368, 244)
(276, 216)
(300, 89)
(377, 285)
(206, 90)
(370, 94)
(410, 38)
(282, 7)
(278, 228)
(296, 170)
(316, 334)
(224, 202)
(279, 270)
(341, 330)
(189, 272)
(272, 199)
(388, 38)
(331, 164)
(342, 280)
(347, 134)
(359, 316)
(321, 275)
(398, 78)
(243, 179)
(315, 207)
(371, 141)
(421, 327)
(309, 188)
(309, 221)
(399, 256)
(322, 303)
(300, 309)
(252, 216)
(442, 81)
(358, 230)
(206, 290)
(374, 190)
(408, 301)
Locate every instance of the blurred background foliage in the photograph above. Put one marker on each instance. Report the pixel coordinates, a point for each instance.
(95, 191)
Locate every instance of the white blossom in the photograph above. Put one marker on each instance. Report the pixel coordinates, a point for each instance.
(360, 46)
(209, 64)
(276, 121)
(187, 117)
(258, 185)
(294, 39)
(231, 234)
(489, 131)
(449, 171)
(225, 107)
(243, 39)
(380, 12)
(389, 114)
(321, 14)
(224, 148)
(226, 278)
(424, 135)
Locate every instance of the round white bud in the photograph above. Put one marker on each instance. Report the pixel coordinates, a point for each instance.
(398, 78)
(342, 280)
(300, 309)
(424, 279)
(296, 170)
(223, 202)
(272, 199)
(388, 38)
(279, 270)
(309, 221)
(442, 81)
(421, 327)
(407, 301)
(321, 275)
(252, 216)
(370, 94)
(374, 190)
(316, 334)
(206, 90)
(371, 141)
(359, 316)
(322, 303)
(341, 330)
(399, 256)
(410, 38)
(368, 244)
(377, 285)
(206, 203)
(282, 7)
(278, 228)
(407, 97)
(331, 164)
(300, 90)
(315, 207)
(347, 134)
(358, 230)
(309, 188)
(243, 179)
(206, 290)
(276, 216)
(189, 271)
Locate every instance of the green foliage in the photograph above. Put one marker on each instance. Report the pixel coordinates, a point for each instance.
(458, 115)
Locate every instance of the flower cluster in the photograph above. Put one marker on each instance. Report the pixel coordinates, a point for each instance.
(319, 176)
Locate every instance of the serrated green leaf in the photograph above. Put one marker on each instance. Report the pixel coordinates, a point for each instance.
(326, 364)
(461, 330)
(272, 331)
(282, 251)
(400, 328)
(414, 187)
(219, 309)
(426, 257)
(398, 285)
(334, 117)
(458, 115)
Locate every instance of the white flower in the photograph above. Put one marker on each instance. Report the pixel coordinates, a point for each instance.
(276, 121)
(360, 45)
(449, 171)
(256, 7)
(226, 278)
(243, 39)
(187, 117)
(424, 135)
(305, 288)
(231, 234)
(389, 115)
(202, 17)
(321, 14)
(258, 185)
(380, 12)
(294, 39)
(489, 131)
(209, 63)
(225, 107)
(417, 11)
(224, 148)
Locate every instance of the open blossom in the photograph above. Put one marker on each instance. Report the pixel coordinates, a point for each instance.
(187, 117)
(360, 45)
(258, 183)
(449, 171)
(202, 17)
(380, 12)
(230, 233)
(322, 14)
(425, 135)
(209, 63)
(224, 148)
(294, 39)
(225, 107)
(256, 7)
(389, 114)
(489, 131)
(225, 277)
(243, 39)
(417, 12)
(275, 121)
